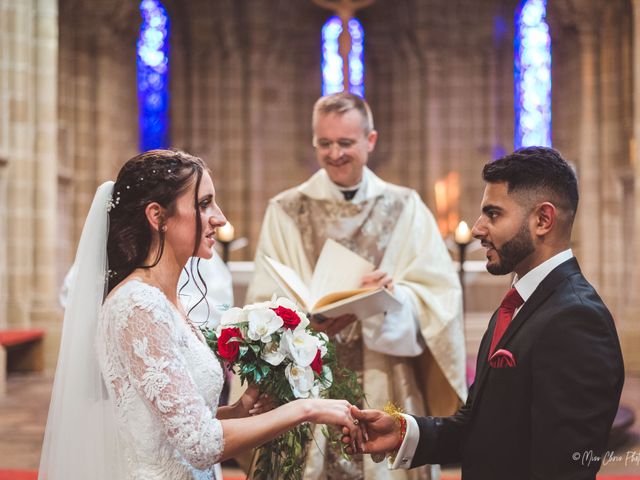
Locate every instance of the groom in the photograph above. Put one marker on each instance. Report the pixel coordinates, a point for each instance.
(549, 367)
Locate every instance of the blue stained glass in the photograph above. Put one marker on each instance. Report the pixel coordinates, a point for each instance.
(332, 74)
(153, 85)
(532, 75)
(356, 58)
(332, 63)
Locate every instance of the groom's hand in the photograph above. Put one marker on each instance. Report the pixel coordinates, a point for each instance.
(381, 431)
(252, 403)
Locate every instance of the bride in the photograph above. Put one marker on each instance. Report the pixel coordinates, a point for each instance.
(136, 389)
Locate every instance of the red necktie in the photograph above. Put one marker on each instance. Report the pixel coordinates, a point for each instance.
(512, 300)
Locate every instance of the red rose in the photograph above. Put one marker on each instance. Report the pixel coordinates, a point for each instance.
(226, 349)
(316, 365)
(289, 317)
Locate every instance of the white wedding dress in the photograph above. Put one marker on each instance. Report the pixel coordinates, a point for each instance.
(164, 383)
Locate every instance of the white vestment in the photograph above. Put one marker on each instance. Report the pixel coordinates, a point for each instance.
(414, 357)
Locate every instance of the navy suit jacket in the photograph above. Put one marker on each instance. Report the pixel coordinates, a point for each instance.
(550, 415)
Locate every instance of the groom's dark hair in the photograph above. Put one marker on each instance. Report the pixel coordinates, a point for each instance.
(538, 174)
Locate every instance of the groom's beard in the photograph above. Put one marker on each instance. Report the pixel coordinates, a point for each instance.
(514, 250)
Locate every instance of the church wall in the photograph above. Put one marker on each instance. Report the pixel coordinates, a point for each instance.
(593, 127)
(244, 77)
(248, 101)
(630, 335)
(28, 169)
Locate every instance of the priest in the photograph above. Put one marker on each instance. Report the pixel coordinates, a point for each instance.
(414, 356)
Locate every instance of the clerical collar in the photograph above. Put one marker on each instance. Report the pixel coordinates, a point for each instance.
(349, 192)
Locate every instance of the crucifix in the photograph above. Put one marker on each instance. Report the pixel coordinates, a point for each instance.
(345, 9)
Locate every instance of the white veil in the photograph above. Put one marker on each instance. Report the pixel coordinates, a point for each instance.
(80, 440)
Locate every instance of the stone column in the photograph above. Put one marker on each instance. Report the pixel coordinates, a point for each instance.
(3, 242)
(28, 142)
(19, 68)
(589, 242)
(4, 146)
(45, 310)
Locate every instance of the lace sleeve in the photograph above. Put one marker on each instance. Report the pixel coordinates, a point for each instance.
(149, 352)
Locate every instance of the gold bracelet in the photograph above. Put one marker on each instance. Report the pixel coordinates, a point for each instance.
(396, 413)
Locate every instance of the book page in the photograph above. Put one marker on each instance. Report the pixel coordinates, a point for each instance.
(338, 269)
(337, 296)
(289, 281)
(363, 305)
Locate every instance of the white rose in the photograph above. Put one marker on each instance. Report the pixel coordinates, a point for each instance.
(301, 346)
(273, 353)
(262, 323)
(300, 379)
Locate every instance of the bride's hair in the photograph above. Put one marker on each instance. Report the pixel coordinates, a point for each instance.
(155, 176)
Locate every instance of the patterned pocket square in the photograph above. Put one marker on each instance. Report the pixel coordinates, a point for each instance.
(502, 359)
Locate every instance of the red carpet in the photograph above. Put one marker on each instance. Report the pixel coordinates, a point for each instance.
(33, 475)
(9, 338)
(18, 475)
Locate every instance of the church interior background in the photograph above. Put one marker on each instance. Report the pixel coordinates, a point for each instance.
(453, 84)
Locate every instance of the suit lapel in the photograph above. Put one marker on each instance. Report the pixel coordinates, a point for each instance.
(482, 365)
(537, 298)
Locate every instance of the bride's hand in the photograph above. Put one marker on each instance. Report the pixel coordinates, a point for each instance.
(335, 412)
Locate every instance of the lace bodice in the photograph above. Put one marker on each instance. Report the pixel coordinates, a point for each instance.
(165, 384)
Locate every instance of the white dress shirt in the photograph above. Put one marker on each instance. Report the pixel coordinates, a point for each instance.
(525, 287)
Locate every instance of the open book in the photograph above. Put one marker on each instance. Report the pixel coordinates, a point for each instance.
(335, 285)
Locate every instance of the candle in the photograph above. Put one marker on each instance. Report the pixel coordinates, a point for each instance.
(462, 234)
(226, 232)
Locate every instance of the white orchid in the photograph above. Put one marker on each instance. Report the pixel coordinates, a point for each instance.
(256, 306)
(233, 316)
(327, 377)
(301, 346)
(274, 353)
(300, 379)
(283, 302)
(322, 344)
(304, 321)
(263, 323)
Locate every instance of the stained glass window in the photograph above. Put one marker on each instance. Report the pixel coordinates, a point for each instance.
(532, 75)
(332, 63)
(356, 58)
(153, 75)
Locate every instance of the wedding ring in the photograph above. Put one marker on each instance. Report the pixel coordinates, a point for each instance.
(356, 421)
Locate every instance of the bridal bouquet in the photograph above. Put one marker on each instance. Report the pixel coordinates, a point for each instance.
(271, 344)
